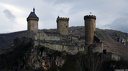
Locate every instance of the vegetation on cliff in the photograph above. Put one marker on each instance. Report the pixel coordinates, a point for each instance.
(16, 57)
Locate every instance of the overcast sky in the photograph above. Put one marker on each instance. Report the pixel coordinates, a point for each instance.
(111, 14)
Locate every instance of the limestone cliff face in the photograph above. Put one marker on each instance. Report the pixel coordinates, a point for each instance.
(24, 56)
(44, 58)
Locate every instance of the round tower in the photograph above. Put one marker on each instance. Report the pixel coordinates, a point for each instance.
(90, 25)
(62, 25)
(32, 21)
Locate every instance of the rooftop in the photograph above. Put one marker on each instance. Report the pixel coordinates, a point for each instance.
(32, 15)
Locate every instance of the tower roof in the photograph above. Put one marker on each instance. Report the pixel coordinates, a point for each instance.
(32, 15)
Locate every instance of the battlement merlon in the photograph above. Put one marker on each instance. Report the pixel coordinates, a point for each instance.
(62, 19)
(89, 17)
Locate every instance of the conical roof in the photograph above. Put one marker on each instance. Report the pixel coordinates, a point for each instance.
(32, 15)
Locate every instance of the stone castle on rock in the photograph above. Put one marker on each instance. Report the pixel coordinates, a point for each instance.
(60, 39)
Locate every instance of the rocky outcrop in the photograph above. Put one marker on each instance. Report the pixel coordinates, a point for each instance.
(44, 58)
(24, 56)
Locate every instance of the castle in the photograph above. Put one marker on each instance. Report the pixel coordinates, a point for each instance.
(60, 39)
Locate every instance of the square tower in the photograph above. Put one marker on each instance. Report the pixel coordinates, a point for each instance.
(62, 25)
(32, 22)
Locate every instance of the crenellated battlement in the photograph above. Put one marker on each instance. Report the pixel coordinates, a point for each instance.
(62, 19)
(62, 25)
(90, 16)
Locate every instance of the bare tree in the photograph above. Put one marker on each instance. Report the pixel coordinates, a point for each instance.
(90, 61)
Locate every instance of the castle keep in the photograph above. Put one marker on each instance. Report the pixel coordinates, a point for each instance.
(62, 25)
(90, 26)
(61, 39)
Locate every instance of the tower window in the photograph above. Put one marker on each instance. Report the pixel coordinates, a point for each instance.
(66, 26)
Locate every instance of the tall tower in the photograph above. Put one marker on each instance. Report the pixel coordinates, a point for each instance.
(62, 25)
(90, 25)
(32, 22)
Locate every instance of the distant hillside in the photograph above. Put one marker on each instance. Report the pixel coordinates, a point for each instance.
(6, 40)
(114, 41)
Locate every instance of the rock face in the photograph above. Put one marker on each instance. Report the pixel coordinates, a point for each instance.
(42, 57)
(24, 56)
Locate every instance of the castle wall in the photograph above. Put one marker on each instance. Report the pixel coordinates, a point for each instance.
(49, 38)
(98, 48)
(43, 36)
(60, 47)
(69, 49)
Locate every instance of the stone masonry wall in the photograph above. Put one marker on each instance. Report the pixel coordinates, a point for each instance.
(33, 25)
(59, 47)
(43, 36)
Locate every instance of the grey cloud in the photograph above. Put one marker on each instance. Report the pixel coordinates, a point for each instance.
(9, 15)
(48, 10)
(64, 1)
(83, 5)
(119, 24)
